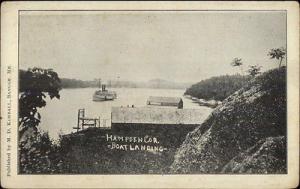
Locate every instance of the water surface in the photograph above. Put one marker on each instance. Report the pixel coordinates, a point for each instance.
(59, 116)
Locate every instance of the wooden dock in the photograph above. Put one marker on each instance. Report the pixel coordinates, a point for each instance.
(85, 122)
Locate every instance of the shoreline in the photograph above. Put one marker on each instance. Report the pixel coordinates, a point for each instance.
(202, 102)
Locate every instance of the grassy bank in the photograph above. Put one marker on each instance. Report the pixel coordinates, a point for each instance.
(246, 134)
(134, 149)
(92, 151)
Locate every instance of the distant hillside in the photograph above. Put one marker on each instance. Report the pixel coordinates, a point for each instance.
(76, 83)
(160, 83)
(155, 83)
(245, 134)
(217, 88)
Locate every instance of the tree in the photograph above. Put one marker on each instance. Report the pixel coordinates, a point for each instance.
(254, 70)
(34, 85)
(278, 53)
(237, 62)
(35, 148)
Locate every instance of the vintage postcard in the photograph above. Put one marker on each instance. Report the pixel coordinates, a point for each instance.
(149, 94)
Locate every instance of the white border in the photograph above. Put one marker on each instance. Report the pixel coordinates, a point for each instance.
(9, 56)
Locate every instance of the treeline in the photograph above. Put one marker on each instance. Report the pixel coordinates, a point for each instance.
(217, 88)
(155, 83)
(76, 83)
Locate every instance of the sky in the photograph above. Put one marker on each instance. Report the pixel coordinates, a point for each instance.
(140, 46)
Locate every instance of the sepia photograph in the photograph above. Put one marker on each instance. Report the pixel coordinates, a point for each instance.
(150, 92)
(143, 92)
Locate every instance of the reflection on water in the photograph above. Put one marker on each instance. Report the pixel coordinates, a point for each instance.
(61, 115)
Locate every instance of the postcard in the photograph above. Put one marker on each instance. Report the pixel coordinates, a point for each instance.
(149, 94)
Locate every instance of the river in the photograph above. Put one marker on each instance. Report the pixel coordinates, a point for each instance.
(60, 116)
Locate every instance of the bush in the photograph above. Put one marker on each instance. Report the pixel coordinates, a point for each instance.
(38, 153)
